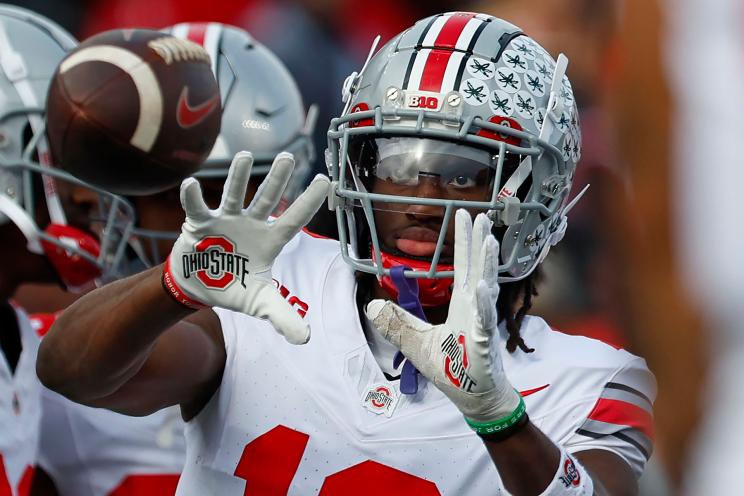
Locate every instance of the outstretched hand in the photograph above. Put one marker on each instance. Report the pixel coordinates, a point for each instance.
(224, 257)
(461, 357)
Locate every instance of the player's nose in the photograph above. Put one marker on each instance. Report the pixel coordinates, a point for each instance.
(428, 187)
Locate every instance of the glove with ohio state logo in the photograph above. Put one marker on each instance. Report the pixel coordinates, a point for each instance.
(223, 257)
(461, 357)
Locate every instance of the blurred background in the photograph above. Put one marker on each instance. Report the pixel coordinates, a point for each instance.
(653, 258)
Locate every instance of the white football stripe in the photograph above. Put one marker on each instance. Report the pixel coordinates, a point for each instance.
(418, 69)
(180, 30)
(467, 33)
(436, 28)
(148, 89)
(450, 74)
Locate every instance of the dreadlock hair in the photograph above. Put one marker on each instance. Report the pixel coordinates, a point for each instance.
(509, 296)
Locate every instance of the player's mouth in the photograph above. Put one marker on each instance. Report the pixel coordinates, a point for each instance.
(420, 242)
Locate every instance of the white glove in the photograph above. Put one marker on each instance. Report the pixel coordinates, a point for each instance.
(461, 357)
(224, 257)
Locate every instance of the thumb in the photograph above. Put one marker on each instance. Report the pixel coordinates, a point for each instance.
(281, 314)
(392, 322)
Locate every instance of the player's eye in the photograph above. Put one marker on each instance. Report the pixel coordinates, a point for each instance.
(461, 182)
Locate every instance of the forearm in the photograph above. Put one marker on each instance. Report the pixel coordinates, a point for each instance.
(102, 340)
(526, 461)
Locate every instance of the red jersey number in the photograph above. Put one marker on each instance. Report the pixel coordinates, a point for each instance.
(24, 485)
(147, 485)
(269, 463)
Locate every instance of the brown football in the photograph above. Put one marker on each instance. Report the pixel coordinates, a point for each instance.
(133, 111)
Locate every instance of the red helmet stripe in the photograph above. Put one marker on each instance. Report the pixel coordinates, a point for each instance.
(449, 37)
(452, 29)
(197, 32)
(436, 65)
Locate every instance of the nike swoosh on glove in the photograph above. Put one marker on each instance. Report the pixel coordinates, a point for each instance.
(461, 357)
(223, 257)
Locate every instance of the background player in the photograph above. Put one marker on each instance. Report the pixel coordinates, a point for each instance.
(90, 451)
(43, 233)
(259, 438)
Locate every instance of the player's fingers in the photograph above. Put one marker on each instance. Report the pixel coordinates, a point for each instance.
(393, 322)
(486, 311)
(271, 189)
(192, 200)
(282, 316)
(463, 233)
(481, 230)
(303, 208)
(490, 266)
(236, 184)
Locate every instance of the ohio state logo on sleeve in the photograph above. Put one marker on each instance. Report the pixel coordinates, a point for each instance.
(215, 263)
(456, 362)
(571, 476)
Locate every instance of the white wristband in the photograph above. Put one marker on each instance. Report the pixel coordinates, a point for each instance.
(570, 479)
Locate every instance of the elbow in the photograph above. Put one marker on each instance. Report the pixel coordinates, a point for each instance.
(51, 369)
(55, 365)
(56, 374)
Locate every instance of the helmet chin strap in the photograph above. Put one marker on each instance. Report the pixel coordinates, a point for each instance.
(431, 292)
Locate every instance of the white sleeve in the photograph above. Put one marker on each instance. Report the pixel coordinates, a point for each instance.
(620, 419)
(58, 455)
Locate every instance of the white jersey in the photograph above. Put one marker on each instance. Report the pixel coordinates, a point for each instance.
(20, 413)
(96, 452)
(322, 419)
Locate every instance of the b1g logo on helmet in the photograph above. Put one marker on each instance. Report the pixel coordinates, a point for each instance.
(215, 263)
(423, 100)
(456, 362)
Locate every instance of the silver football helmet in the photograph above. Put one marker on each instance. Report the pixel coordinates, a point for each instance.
(262, 110)
(31, 47)
(467, 99)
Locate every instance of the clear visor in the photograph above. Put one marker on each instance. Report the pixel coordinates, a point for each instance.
(428, 168)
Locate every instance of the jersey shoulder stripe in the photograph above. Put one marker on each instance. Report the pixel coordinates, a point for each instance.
(624, 409)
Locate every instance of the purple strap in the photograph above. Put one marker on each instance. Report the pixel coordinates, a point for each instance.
(408, 300)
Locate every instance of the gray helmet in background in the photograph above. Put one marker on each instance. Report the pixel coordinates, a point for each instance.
(262, 112)
(458, 85)
(31, 47)
(262, 109)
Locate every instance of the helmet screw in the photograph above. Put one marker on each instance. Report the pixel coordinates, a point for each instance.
(11, 191)
(454, 100)
(392, 93)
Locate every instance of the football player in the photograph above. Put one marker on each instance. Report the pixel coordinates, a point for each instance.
(44, 237)
(91, 451)
(454, 389)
